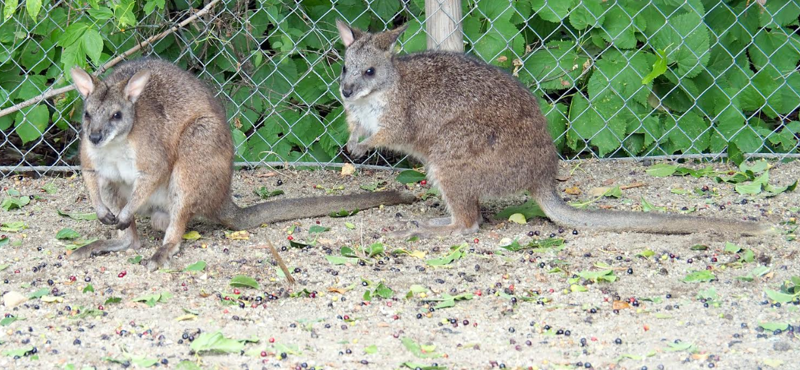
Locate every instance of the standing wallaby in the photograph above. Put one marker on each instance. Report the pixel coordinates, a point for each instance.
(479, 132)
(155, 141)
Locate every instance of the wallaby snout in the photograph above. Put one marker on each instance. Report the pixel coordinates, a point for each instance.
(347, 90)
(96, 137)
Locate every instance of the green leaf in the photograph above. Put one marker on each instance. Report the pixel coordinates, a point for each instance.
(731, 248)
(343, 213)
(244, 281)
(113, 300)
(135, 260)
(20, 352)
(33, 7)
(618, 27)
(620, 74)
(197, 266)
(647, 253)
(659, 67)
(418, 366)
(339, 260)
(588, 13)
(410, 176)
(92, 44)
(772, 326)
(371, 350)
(780, 297)
(316, 229)
(9, 9)
(152, 299)
(191, 235)
(457, 253)
(216, 342)
(551, 11)
(72, 34)
(91, 216)
(264, 193)
(13, 227)
(418, 350)
(88, 289)
(686, 38)
(529, 210)
(598, 276)
(12, 202)
(30, 123)
(518, 218)
(8, 320)
(68, 234)
(699, 276)
(40, 293)
(556, 66)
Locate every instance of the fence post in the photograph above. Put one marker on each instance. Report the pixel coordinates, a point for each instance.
(444, 25)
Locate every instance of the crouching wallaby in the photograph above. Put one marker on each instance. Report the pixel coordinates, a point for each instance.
(479, 132)
(155, 142)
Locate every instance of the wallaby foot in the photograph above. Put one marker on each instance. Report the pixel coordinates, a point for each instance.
(429, 231)
(160, 258)
(128, 238)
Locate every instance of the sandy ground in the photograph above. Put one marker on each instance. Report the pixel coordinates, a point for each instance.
(529, 309)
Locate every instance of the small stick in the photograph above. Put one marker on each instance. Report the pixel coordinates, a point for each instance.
(280, 262)
(110, 63)
(631, 186)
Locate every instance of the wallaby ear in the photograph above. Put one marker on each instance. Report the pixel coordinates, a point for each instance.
(386, 40)
(83, 81)
(136, 85)
(348, 34)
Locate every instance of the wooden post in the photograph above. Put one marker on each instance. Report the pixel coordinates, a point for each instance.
(444, 25)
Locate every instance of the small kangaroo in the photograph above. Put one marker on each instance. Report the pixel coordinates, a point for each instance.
(479, 132)
(155, 142)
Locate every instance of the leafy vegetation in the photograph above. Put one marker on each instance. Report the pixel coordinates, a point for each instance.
(615, 78)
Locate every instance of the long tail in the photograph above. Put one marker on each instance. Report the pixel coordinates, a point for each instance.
(656, 223)
(241, 218)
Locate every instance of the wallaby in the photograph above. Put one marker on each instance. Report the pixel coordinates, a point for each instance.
(155, 142)
(479, 132)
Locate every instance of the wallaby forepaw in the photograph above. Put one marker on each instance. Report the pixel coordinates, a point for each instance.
(107, 218)
(356, 149)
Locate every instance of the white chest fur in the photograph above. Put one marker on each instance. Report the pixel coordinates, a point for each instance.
(115, 161)
(367, 111)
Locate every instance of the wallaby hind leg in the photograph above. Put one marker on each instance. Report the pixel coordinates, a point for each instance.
(465, 219)
(172, 241)
(127, 238)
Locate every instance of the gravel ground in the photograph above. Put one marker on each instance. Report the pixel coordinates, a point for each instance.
(528, 309)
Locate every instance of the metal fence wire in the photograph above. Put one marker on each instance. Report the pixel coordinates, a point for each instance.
(616, 78)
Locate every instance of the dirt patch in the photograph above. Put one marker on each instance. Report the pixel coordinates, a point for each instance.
(527, 308)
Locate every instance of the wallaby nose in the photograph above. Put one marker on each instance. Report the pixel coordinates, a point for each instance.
(95, 137)
(347, 92)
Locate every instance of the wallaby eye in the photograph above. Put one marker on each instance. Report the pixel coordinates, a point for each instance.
(117, 115)
(370, 71)
(86, 115)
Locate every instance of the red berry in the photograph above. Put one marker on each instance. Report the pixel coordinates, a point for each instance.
(272, 340)
(396, 317)
(476, 240)
(122, 274)
(71, 278)
(423, 182)
(236, 291)
(100, 307)
(290, 237)
(263, 353)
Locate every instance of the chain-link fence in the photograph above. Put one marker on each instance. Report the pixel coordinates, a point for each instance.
(616, 78)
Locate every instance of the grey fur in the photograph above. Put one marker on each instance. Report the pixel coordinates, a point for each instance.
(479, 132)
(162, 147)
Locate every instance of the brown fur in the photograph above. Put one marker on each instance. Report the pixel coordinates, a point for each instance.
(479, 132)
(155, 142)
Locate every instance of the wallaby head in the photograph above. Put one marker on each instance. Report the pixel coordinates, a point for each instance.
(368, 63)
(108, 109)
